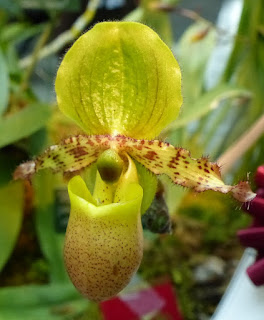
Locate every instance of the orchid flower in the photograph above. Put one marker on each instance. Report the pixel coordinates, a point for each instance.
(122, 85)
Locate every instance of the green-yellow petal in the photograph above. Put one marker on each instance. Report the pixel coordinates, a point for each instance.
(104, 244)
(120, 78)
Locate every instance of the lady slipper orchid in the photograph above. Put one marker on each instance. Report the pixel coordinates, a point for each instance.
(122, 85)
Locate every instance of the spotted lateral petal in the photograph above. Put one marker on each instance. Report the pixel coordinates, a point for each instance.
(72, 154)
(159, 157)
(199, 174)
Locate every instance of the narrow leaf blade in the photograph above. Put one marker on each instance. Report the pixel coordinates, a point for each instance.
(51, 242)
(23, 123)
(4, 81)
(11, 212)
(208, 102)
(52, 301)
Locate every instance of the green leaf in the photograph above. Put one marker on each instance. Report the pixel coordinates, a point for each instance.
(65, 311)
(60, 5)
(4, 81)
(51, 242)
(11, 211)
(12, 7)
(195, 47)
(208, 102)
(52, 302)
(12, 64)
(11, 31)
(36, 295)
(120, 78)
(18, 32)
(23, 123)
(136, 15)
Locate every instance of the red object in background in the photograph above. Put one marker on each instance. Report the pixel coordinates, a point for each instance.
(253, 236)
(159, 300)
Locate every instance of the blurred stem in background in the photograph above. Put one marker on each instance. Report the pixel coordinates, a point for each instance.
(66, 37)
(244, 143)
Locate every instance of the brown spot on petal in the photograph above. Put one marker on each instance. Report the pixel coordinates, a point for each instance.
(78, 152)
(150, 155)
